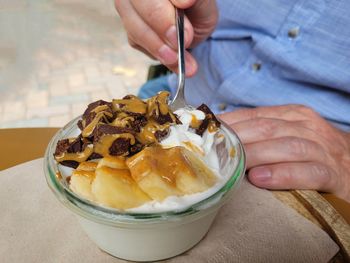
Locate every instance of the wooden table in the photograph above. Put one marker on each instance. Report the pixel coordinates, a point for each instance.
(25, 144)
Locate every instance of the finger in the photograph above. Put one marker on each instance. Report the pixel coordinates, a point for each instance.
(161, 18)
(203, 15)
(190, 66)
(286, 112)
(305, 175)
(139, 48)
(286, 149)
(261, 129)
(144, 36)
(183, 4)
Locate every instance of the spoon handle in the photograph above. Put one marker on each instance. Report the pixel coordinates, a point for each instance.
(179, 98)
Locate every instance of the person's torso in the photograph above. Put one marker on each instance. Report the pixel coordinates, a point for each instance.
(273, 52)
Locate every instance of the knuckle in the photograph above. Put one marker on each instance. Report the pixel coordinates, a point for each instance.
(266, 127)
(298, 147)
(304, 110)
(155, 12)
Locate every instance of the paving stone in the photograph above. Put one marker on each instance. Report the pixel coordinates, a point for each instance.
(72, 54)
(13, 111)
(116, 88)
(58, 87)
(100, 95)
(59, 120)
(92, 72)
(78, 109)
(69, 99)
(37, 122)
(75, 80)
(48, 111)
(42, 71)
(37, 98)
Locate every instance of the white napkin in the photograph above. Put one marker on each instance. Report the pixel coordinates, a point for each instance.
(252, 227)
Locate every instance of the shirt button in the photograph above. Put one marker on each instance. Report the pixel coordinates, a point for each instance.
(222, 106)
(293, 32)
(256, 66)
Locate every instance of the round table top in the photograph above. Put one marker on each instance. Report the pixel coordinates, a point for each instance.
(24, 144)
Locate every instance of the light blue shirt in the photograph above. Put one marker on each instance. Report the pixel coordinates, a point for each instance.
(275, 52)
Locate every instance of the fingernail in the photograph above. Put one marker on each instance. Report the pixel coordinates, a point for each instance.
(171, 36)
(166, 55)
(261, 174)
(191, 65)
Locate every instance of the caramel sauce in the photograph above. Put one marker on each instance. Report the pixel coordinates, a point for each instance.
(123, 120)
(116, 162)
(100, 108)
(195, 123)
(88, 174)
(90, 128)
(218, 135)
(102, 146)
(132, 105)
(232, 152)
(158, 104)
(78, 157)
(163, 105)
(212, 127)
(194, 148)
(167, 163)
(146, 135)
(87, 166)
(58, 176)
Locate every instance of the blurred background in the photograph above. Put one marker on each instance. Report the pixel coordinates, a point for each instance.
(56, 56)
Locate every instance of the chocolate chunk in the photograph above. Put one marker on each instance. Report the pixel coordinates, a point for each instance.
(80, 125)
(104, 129)
(95, 104)
(120, 147)
(94, 156)
(76, 146)
(138, 123)
(89, 114)
(209, 114)
(72, 164)
(177, 120)
(202, 128)
(89, 117)
(61, 147)
(137, 147)
(161, 134)
(68, 179)
(162, 119)
(209, 118)
(130, 97)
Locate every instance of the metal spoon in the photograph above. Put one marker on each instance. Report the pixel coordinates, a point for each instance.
(179, 99)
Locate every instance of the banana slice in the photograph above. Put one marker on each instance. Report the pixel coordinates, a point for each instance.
(81, 179)
(115, 188)
(174, 171)
(197, 178)
(116, 162)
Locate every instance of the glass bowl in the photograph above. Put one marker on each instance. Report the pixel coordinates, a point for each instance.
(147, 236)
